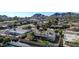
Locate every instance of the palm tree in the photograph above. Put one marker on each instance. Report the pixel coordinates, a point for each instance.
(56, 35)
(61, 38)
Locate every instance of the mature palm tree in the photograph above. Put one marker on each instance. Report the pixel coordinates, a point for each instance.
(61, 38)
(58, 33)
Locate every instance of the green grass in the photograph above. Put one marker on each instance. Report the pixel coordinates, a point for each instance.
(72, 44)
(44, 42)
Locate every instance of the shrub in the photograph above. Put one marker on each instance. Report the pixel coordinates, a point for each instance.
(7, 39)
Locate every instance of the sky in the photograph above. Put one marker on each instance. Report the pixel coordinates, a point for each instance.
(24, 14)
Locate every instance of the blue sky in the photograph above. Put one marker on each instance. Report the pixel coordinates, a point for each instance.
(23, 14)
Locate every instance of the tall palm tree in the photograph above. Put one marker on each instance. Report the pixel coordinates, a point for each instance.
(61, 38)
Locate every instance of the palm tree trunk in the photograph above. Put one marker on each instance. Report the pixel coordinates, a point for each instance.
(61, 42)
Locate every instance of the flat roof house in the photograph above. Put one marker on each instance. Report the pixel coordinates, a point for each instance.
(46, 36)
(16, 32)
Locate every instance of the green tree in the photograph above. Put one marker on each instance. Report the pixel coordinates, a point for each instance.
(49, 23)
(44, 27)
(1, 39)
(38, 27)
(29, 27)
(61, 37)
(15, 25)
(7, 39)
(15, 18)
(30, 36)
(56, 21)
